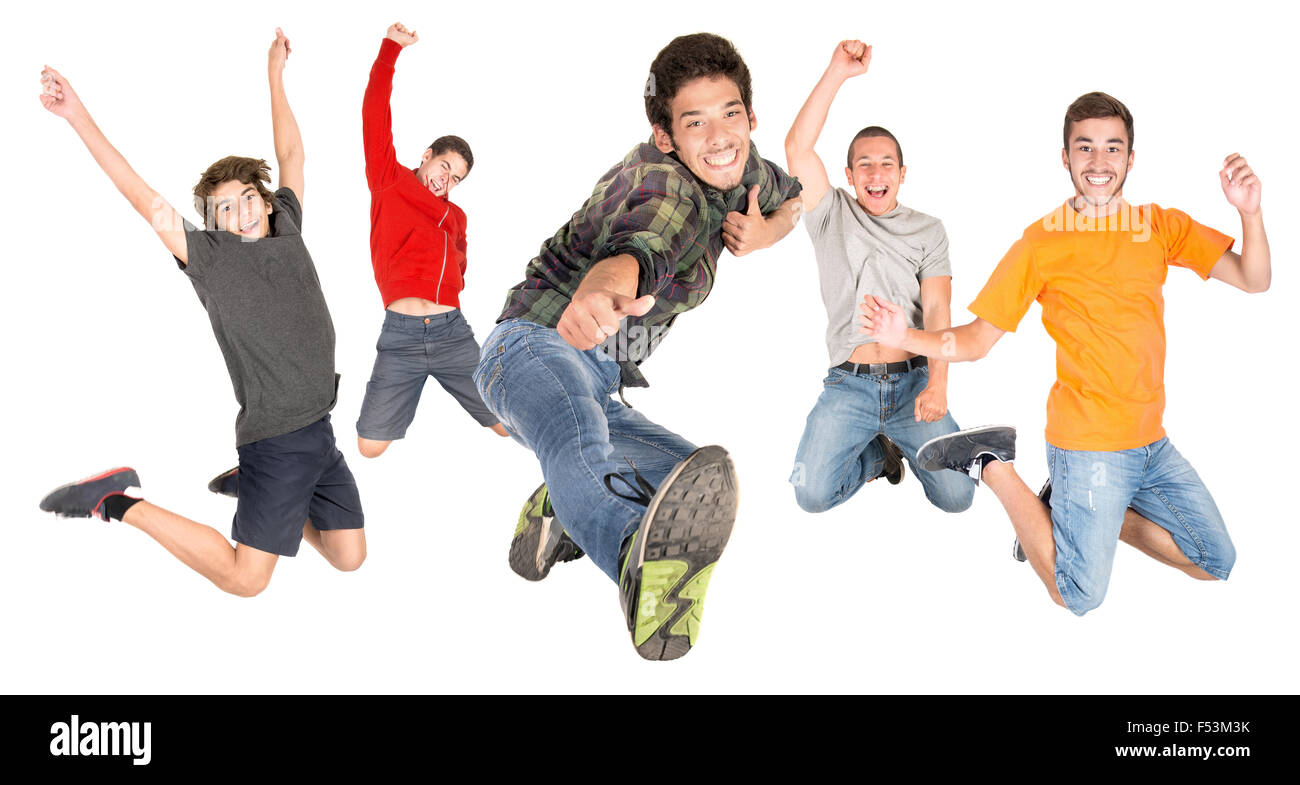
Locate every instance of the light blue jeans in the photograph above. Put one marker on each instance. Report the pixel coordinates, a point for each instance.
(558, 402)
(838, 453)
(1091, 491)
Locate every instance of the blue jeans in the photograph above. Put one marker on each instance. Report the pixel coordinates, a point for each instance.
(838, 455)
(1091, 491)
(558, 402)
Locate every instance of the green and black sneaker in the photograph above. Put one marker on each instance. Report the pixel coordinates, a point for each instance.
(664, 568)
(540, 540)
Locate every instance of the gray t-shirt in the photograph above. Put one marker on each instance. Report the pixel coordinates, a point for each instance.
(270, 320)
(859, 253)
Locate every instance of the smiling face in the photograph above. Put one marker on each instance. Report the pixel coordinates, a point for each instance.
(442, 172)
(239, 209)
(1098, 159)
(710, 131)
(875, 173)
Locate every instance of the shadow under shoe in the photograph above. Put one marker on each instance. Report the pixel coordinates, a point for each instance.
(540, 540)
(665, 566)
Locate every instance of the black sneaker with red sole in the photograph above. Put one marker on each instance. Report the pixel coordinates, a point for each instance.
(85, 498)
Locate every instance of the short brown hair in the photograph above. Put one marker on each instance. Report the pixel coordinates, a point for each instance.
(685, 59)
(454, 144)
(250, 171)
(870, 132)
(1091, 106)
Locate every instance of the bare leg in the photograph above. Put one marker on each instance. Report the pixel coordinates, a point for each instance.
(239, 570)
(345, 549)
(1159, 544)
(500, 430)
(1031, 519)
(372, 448)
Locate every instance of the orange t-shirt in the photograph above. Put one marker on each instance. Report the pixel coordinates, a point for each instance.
(1099, 282)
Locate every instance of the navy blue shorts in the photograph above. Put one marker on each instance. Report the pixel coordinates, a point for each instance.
(286, 480)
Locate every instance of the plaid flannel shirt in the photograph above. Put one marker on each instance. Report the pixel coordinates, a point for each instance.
(651, 207)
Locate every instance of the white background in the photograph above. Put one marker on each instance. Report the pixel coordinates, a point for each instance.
(109, 358)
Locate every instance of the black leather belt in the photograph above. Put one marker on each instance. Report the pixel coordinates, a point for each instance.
(881, 369)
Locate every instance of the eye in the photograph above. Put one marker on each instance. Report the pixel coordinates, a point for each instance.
(1083, 148)
(694, 123)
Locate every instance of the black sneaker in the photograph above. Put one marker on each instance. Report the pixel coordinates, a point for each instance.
(1045, 496)
(226, 483)
(666, 565)
(893, 469)
(967, 451)
(85, 498)
(540, 540)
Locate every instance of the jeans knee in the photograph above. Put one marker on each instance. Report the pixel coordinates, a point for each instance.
(812, 499)
(953, 500)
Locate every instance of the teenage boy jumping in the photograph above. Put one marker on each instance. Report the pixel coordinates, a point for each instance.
(653, 512)
(875, 399)
(1097, 266)
(253, 275)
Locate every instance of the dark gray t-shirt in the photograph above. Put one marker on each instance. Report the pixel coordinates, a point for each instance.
(859, 253)
(270, 319)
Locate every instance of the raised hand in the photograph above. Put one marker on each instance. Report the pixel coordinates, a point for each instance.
(883, 321)
(58, 96)
(404, 38)
(747, 231)
(1240, 185)
(279, 51)
(851, 58)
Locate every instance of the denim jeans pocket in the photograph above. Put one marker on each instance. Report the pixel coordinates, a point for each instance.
(835, 376)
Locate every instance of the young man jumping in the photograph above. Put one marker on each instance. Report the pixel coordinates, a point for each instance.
(653, 512)
(875, 399)
(1097, 266)
(253, 275)
(417, 246)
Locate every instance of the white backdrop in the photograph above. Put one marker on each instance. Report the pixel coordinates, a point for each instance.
(110, 360)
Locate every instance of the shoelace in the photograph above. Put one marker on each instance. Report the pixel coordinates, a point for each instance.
(641, 495)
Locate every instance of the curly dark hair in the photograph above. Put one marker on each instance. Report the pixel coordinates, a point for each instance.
(456, 145)
(252, 171)
(689, 57)
(1091, 106)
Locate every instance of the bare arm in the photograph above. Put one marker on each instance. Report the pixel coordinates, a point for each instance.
(288, 141)
(1252, 270)
(885, 322)
(58, 97)
(936, 313)
(850, 59)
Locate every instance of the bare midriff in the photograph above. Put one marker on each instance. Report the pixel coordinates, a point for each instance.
(875, 353)
(418, 306)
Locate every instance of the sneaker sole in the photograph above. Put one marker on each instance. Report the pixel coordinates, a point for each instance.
(926, 455)
(685, 529)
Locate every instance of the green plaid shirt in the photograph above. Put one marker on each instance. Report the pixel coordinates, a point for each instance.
(651, 207)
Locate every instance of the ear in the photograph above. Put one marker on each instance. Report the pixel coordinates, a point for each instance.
(1065, 158)
(848, 176)
(902, 174)
(753, 120)
(428, 153)
(662, 140)
(269, 208)
(1130, 160)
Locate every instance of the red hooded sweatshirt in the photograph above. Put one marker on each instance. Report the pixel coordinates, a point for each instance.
(417, 240)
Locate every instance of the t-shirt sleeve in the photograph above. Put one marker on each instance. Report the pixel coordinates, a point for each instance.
(200, 249)
(1015, 284)
(286, 201)
(935, 262)
(819, 218)
(1188, 243)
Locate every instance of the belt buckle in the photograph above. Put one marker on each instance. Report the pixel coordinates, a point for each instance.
(878, 369)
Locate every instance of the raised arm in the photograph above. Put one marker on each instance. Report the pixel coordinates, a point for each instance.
(59, 98)
(887, 323)
(376, 113)
(1252, 269)
(288, 141)
(850, 59)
